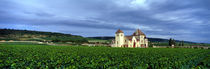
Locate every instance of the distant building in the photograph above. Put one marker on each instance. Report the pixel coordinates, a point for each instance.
(138, 39)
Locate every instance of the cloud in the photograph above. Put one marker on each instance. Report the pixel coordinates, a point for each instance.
(180, 16)
(182, 20)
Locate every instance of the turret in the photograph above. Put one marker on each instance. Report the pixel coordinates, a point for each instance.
(138, 32)
(119, 38)
(141, 36)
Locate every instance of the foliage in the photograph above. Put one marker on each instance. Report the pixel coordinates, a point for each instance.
(205, 63)
(184, 44)
(181, 43)
(158, 44)
(45, 56)
(172, 42)
(25, 35)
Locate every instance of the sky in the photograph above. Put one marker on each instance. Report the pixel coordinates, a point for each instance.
(187, 20)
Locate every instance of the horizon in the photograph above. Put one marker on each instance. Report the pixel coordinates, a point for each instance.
(187, 20)
(100, 36)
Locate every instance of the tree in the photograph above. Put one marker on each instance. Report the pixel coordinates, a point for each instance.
(173, 42)
(182, 43)
(170, 42)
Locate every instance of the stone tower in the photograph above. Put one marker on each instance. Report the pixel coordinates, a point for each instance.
(119, 38)
(141, 36)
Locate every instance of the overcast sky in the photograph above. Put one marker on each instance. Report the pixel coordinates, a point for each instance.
(180, 19)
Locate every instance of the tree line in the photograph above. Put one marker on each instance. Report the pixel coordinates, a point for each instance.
(172, 42)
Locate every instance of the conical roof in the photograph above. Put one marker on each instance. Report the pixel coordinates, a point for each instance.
(119, 31)
(138, 32)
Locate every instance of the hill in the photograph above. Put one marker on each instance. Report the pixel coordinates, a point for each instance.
(26, 35)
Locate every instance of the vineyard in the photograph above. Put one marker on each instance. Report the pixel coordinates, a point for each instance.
(45, 56)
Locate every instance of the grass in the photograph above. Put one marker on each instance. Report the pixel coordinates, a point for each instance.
(20, 55)
(177, 44)
(97, 40)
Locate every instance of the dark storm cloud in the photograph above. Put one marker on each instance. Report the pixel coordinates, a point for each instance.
(183, 20)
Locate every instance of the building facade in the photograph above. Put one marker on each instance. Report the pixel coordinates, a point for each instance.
(136, 40)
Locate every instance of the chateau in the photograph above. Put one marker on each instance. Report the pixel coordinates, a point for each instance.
(138, 39)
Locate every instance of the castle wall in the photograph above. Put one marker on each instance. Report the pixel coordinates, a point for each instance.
(119, 40)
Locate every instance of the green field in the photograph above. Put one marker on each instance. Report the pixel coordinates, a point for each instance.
(45, 56)
(177, 44)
